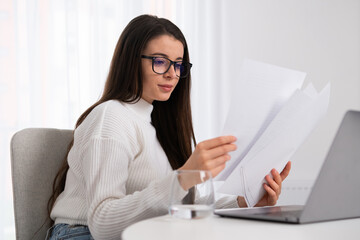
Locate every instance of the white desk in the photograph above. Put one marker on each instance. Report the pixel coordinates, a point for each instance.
(215, 227)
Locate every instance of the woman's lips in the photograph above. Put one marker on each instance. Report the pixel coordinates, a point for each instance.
(165, 87)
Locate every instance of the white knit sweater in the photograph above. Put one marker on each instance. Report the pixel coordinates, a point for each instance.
(118, 172)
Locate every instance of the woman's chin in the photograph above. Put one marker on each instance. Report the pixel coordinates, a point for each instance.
(163, 98)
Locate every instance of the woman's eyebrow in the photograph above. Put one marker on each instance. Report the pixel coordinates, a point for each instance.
(164, 55)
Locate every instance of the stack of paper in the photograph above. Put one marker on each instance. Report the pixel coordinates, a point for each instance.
(271, 117)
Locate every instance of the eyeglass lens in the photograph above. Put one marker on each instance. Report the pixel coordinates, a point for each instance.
(162, 65)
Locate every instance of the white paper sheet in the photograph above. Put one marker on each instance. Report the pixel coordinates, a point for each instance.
(259, 95)
(280, 133)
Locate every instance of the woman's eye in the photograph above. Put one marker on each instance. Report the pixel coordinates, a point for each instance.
(158, 61)
(178, 66)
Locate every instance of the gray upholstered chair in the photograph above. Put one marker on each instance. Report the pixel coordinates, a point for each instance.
(36, 156)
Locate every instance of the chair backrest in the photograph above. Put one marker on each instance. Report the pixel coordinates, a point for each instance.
(36, 157)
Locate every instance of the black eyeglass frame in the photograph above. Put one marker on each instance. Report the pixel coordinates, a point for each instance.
(186, 64)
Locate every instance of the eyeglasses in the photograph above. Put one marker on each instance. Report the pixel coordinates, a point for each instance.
(161, 65)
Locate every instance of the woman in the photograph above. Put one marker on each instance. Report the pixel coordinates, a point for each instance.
(128, 144)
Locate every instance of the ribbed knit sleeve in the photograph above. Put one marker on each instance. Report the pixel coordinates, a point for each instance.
(227, 202)
(111, 210)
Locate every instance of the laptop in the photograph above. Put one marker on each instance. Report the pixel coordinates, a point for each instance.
(336, 191)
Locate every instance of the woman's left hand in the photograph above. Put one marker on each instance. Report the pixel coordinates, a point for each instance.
(273, 186)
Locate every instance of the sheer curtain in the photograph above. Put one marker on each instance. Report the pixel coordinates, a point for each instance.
(55, 55)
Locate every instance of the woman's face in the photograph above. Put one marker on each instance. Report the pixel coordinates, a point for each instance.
(160, 86)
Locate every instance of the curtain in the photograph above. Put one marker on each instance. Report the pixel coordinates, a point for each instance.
(55, 56)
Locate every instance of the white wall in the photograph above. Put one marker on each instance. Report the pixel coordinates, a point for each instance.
(320, 37)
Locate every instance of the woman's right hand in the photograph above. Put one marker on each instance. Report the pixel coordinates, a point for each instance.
(211, 155)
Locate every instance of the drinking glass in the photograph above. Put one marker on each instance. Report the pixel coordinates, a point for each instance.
(198, 199)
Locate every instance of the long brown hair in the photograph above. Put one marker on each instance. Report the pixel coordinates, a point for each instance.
(171, 119)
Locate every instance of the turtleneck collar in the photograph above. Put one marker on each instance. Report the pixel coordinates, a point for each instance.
(142, 108)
